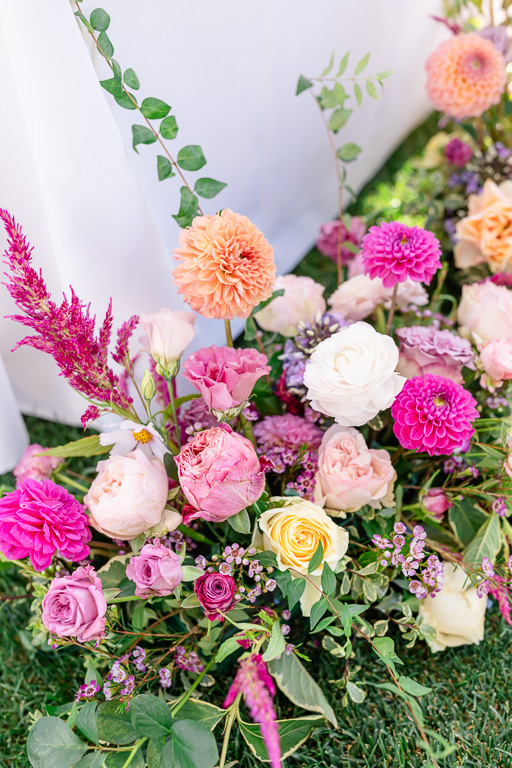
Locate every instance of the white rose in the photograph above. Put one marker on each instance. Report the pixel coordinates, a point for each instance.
(293, 531)
(351, 375)
(302, 301)
(457, 613)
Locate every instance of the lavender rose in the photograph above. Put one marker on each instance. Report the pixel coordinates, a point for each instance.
(156, 570)
(75, 606)
(426, 349)
(215, 592)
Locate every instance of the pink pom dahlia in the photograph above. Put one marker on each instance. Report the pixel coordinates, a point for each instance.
(433, 414)
(395, 253)
(39, 519)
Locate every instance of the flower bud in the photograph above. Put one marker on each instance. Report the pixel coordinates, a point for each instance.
(148, 387)
(436, 502)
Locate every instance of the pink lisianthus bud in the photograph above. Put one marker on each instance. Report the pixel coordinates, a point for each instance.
(334, 235)
(224, 376)
(75, 606)
(215, 592)
(436, 502)
(169, 332)
(220, 474)
(156, 570)
(34, 467)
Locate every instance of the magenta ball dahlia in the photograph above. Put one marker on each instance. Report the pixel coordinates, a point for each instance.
(395, 253)
(433, 414)
(39, 519)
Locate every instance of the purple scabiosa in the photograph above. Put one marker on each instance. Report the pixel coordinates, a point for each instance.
(310, 334)
(257, 688)
(395, 252)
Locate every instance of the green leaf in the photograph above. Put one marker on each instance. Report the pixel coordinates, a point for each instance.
(343, 64)
(317, 611)
(124, 100)
(154, 109)
(317, 558)
(329, 66)
(284, 580)
(188, 208)
(191, 573)
(362, 65)
(192, 746)
(267, 559)
(104, 45)
(303, 85)
(86, 446)
(154, 753)
(333, 98)
(295, 591)
(385, 646)
(114, 723)
(241, 522)
(203, 711)
(229, 646)
(265, 302)
(412, 687)
(84, 21)
(116, 69)
(86, 721)
(292, 734)
(371, 90)
(383, 75)
(191, 601)
(141, 134)
(100, 20)
(356, 694)
(113, 574)
(328, 581)
(465, 519)
(52, 743)
(358, 94)
(277, 643)
(91, 760)
(486, 543)
(349, 152)
(191, 158)
(298, 686)
(118, 759)
(150, 716)
(169, 128)
(338, 118)
(208, 188)
(130, 79)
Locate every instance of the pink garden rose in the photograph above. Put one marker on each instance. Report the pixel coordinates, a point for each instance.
(220, 474)
(496, 360)
(128, 495)
(215, 592)
(331, 232)
(224, 376)
(436, 502)
(168, 333)
(156, 570)
(34, 467)
(351, 475)
(302, 301)
(485, 310)
(75, 606)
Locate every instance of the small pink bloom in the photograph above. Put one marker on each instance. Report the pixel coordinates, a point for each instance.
(75, 606)
(302, 301)
(458, 153)
(496, 359)
(156, 570)
(34, 467)
(436, 502)
(215, 592)
(224, 376)
(334, 232)
(220, 474)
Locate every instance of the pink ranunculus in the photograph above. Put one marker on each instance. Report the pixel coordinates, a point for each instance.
(224, 376)
(156, 570)
(496, 360)
(34, 467)
(351, 475)
(302, 301)
(436, 502)
(485, 310)
(220, 474)
(168, 333)
(128, 495)
(75, 606)
(334, 231)
(215, 592)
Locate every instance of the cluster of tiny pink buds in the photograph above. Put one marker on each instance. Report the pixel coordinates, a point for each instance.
(120, 683)
(87, 690)
(124, 333)
(238, 562)
(499, 507)
(407, 552)
(484, 586)
(188, 661)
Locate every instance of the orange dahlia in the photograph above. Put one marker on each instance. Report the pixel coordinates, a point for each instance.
(226, 266)
(466, 76)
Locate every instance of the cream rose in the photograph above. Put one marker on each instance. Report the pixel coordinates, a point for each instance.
(351, 475)
(351, 375)
(302, 301)
(485, 311)
(456, 612)
(293, 531)
(485, 234)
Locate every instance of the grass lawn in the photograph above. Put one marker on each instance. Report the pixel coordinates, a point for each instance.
(470, 703)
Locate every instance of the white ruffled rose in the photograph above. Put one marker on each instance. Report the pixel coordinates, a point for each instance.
(351, 375)
(456, 612)
(302, 301)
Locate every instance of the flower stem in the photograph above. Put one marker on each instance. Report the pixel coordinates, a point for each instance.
(232, 713)
(174, 412)
(192, 688)
(247, 429)
(392, 309)
(59, 477)
(229, 337)
(134, 751)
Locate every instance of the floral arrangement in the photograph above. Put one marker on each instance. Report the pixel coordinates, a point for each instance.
(342, 475)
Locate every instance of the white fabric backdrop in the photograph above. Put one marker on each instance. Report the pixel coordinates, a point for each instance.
(96, 213)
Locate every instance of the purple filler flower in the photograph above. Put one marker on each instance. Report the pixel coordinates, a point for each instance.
(426, 349)
(458, 153)
(395, 252)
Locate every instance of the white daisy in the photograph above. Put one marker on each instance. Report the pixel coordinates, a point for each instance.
(128, 435)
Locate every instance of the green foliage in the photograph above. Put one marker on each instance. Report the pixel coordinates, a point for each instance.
(191, 158)
(295, 591)
(150, 716)
(105, 47)
(297, 685)
(142, 135)
(317, 558)
(188, 208)
(191, 746)
(100, 20)
(276, 644)
(169, 128)
(51, 742)
(303, 85)
(86, 447)
(86, 721)
(292, 733)
(487, 543)
(241, 523)
(130, 79)
(114, 723)
(208, 188)
(154, 109)
(349, 152)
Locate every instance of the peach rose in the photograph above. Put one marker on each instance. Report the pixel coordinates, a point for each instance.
(485, 311)
(351, 475)
(302, 301)
(485, 234)
(496, 359)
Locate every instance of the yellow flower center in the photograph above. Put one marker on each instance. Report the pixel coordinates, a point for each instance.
(439, 400)
(142, 436)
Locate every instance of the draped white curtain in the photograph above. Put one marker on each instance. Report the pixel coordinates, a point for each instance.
(95, 212)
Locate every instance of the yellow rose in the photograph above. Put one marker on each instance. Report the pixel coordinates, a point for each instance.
(293, 531)
(485, 235)
(457, 613)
